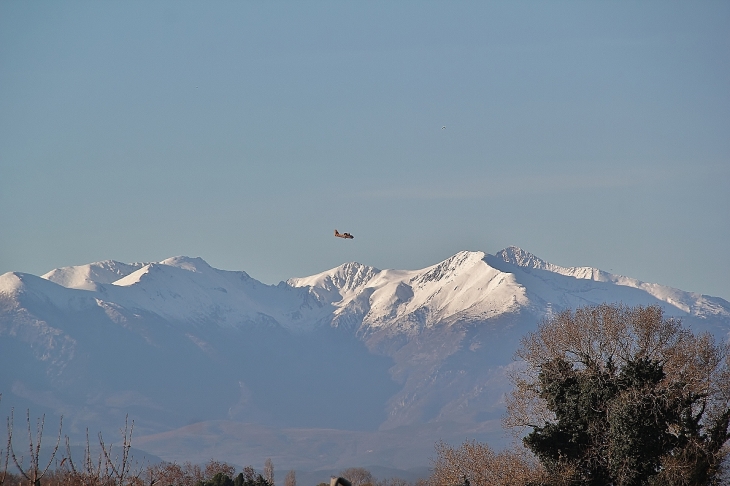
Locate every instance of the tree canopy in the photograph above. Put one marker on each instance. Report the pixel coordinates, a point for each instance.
(621, 395)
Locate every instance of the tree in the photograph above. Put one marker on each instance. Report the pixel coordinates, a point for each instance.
(172, 474)
(120, 469)
(249, 478)
(89, 472)
(290, 479)
(392, 482)
(475, 463)
(621, 395)
(4, 457)
(269, 471)
(214, 467)
(34, 472)
(109, 469)
(358, 476)
(218, 479)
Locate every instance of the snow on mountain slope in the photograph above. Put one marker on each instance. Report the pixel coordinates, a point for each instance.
(41, 291)
(462, 286)
(188, 289)
(339, 283)
(474, 286)
(469, 286)
(690, 303)
(178, 289)
(87, 277)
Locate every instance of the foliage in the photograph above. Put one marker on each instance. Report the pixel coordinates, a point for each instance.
(222, 473)
(219, 479)
(619, 395)
(249, 478)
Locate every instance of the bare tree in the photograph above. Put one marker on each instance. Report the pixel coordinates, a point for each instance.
(248, 474)
(173, 474)
(107, 469)
(214, 467)
(290, 479)
(33, 473)
(120, 468)
(358, 476)
(4, 456)
(166, 474)
(89, 472)
(392, 482)
(269, 471)
(476, 463)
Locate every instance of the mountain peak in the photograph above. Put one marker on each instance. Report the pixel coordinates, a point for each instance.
(521, 258)
(451, 266)
(192, 264)
(348, 276)
(11, 282)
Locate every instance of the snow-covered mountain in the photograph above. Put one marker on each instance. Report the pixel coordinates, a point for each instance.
(355, 358)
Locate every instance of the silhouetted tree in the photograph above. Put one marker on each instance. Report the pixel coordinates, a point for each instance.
(249, 477)
(219, 479)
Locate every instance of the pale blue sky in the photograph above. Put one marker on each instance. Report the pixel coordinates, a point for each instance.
(588, 133)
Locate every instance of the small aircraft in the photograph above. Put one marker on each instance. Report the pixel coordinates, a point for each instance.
(343, 235)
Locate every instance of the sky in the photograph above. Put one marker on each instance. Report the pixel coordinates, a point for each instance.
(588, 133)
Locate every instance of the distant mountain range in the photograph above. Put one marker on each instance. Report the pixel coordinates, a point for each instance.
(355, 366)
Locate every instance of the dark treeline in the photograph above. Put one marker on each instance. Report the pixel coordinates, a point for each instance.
(214, 473)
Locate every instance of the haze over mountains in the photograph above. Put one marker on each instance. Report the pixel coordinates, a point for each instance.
(354, 366)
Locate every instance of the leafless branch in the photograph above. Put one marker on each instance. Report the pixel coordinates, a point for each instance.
(33, 473)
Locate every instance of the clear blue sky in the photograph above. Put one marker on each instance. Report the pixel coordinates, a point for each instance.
(589, 133)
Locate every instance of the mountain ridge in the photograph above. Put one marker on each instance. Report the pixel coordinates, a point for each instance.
(353, 277)
(424, 353)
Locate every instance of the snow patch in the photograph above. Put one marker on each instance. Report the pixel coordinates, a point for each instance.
(90, 276)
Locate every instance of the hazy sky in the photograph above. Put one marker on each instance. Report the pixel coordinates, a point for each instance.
(588, 133)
